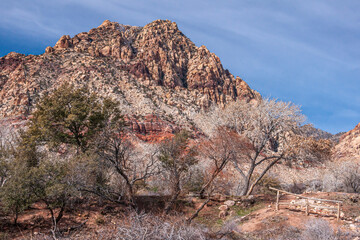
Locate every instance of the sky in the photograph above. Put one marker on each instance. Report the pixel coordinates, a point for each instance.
(303, 51)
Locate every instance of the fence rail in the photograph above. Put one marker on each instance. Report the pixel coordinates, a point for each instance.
(308, 204)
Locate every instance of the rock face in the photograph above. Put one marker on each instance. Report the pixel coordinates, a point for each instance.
(153, 69)
(152, 124)
(348, 147)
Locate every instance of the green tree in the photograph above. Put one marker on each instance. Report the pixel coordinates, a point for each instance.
(70, 116)
(51, 183)
(15, 195)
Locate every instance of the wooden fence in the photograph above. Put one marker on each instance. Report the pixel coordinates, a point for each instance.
(309, 202)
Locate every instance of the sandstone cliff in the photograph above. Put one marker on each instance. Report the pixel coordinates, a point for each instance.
(153, 69)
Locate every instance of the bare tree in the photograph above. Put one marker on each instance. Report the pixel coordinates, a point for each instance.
(267, 127)
(4, 163)
(176, 157)
(218, 151)
(344, 176)
(351, 177)
(118, 153)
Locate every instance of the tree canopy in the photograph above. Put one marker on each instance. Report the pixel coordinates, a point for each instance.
(71, 116)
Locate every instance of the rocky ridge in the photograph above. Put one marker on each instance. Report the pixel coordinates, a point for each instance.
(150, 70)
(310, 131)
(348, 147)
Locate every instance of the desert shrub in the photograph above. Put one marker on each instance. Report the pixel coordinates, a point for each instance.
(99, 220)
(319, 228)
(314, 185)
(4, 236)
(315, 229)
(301, 187)
(146, 226)
(295, 187)
(343, 178)
(289, 233)
(194, 181)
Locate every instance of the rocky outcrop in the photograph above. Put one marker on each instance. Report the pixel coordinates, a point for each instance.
(64, 42)
(348, 147)
(153, 69)
(152, 124)
(160, 54)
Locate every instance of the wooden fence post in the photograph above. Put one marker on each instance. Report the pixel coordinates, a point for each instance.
(307, 207)
(338, 211)
(277, 200)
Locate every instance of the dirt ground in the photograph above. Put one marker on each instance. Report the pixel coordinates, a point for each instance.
(251, 215)
(285, 217)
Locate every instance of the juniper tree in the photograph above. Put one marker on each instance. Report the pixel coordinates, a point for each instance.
(72, 116)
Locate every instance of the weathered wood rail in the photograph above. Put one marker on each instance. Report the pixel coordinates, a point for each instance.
(309, 202)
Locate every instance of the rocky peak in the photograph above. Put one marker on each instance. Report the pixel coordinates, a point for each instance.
(160, 54)
(106, 23)
(150, 69)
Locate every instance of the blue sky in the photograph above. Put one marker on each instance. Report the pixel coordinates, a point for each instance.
(303, 51)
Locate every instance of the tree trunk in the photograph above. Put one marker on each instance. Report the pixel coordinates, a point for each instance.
(249, 191)
(247, 180)
(53, 221)
(176, 192)
(246, 186)
(202, 191)
(16, 216)
(251, 188)
(130, 194)
(61, 213)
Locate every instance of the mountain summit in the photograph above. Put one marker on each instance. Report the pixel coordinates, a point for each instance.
(153, 69)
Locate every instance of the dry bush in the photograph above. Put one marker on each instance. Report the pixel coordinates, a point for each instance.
(319, 229)
(194, 180)
(315, 229)
(146, 226)
(343, 178)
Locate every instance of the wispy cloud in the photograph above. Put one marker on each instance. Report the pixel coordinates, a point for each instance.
(26, 20)
(302, 50)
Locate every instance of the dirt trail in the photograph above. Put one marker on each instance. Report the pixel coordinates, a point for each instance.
(269, 218)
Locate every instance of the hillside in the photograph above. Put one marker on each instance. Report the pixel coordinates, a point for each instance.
(349, 145)
(153, 69)
(310, 131)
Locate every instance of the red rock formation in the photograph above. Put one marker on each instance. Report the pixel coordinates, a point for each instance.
(152, 124)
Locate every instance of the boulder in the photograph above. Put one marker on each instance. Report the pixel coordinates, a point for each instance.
(229, 203)
(106, 51)
(222, 214)
(49, 49)
(223, 208)
(64, 42)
